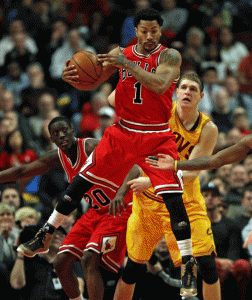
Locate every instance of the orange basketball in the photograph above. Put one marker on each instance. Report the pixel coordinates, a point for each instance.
(89, 70)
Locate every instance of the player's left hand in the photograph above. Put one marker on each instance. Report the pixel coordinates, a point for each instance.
(70, 73)
(117, 59)
(139, 184)
(115, 205)
(248, 240)
(161, 161)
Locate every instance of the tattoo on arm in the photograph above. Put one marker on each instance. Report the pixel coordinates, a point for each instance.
(171, 57)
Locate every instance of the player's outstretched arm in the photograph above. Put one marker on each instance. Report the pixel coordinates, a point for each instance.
(38, 167)
(232, 154)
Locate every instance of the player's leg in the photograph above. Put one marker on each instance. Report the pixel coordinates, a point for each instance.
(209, 273)
(68, 203)
(63, 265)
(91, 263)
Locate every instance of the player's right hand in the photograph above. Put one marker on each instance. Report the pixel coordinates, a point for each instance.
(161, 161)
(70, 73)
(115, 205)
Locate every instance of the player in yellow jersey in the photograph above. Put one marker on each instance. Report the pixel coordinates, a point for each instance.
(196, 136)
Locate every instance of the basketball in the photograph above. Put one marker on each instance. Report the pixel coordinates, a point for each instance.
(89, 70)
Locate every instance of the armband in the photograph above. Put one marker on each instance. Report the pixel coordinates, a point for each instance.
(175, 165)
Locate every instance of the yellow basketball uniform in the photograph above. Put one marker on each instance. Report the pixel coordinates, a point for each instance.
(150, 219)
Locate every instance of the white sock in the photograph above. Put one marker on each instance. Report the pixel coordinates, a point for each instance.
(78, 298)
(56, 219)
(185, 247)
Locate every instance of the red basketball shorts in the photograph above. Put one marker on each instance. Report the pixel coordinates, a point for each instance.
(102, 234)
(121, 147)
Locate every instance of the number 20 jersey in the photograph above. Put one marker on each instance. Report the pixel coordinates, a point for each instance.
(133, 101)
(98, 197)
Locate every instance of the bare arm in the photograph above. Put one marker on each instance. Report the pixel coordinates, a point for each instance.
(167, 71)
(17, 277)
(90, 145)
(233, 154)
(38, 167)
(204, 147)
(118, 201)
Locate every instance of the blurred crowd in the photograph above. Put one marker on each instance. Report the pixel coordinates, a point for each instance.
(38, 36)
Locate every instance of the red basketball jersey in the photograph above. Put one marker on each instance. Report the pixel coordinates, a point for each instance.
(98, 197)
(134, 102)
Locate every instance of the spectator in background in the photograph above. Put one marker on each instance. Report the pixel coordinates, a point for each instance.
(27, 216)
(213, 59)
(8, 236)
(46, 104)
(7, 103)
(211, 87)
(248, 163)
(128, 31)
(233, 136)
(236, 96)
(15, 80)
(16, 153)
(38, 86)
(221, 113)
(227, 238)
(28, 275)
(237, 180)
(240, 121)
(73, 43)
(7, 43)
(231, 50)
(11, 195)
(19, 53)
(175, 18)
(194, 51)
(90, 118)
(106, 118)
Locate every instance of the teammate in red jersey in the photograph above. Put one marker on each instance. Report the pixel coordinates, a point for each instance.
(101, 237)
(143, 97)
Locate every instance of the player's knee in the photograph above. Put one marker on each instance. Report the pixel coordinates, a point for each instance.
(132, 271)
(90, 260)
(208, 269)
(63, 261)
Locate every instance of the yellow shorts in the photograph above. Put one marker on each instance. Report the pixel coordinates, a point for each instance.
(150, 221)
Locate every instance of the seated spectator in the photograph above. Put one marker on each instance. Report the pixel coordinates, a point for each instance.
(231, 50)
(28, 275)
(213, 59)
(236, 96)
(27, 216)
(73, 43)
(90, 119)
(128, 31)
(240, 121)
(211, 87)
(175, 18)
(10, 194)
(7, 103)
(16, 153)
(221, 142)
(248, 163)
(234, 273)
(233, 136)
(106, 118)
(7, 43)
(19, 53)
(15, 81)
(221, 113)
(38, 86)
(46, 104)
(194, 51)
(8, 236)
(237, 180)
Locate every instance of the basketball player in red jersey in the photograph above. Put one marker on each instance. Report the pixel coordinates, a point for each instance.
(100, 236)
(148, 76)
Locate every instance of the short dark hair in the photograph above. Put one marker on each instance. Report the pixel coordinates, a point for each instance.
(58, 119)
(194, 77)
(148, 14)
